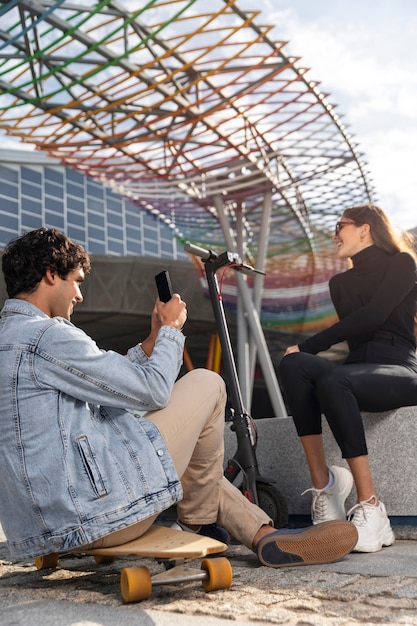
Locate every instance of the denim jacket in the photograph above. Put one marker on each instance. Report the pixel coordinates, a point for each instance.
(76, 461)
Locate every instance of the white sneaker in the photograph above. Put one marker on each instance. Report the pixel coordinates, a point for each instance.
(329, 503)
(373, 526)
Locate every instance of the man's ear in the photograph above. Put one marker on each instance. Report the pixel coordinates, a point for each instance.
(50, 277)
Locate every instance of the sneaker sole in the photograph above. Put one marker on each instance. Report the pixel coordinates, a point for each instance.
(324, 543)
(387, 540)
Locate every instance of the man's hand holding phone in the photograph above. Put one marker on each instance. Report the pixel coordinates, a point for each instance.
(171, 310)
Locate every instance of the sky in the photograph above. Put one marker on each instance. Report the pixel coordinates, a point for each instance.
(363, 53)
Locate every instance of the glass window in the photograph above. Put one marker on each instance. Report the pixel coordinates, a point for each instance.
(150, 233)
(134, 246)
(115, 218)
(56, 176)
(75, 233)
(75, 190)
(94, 189)
(96, 247)
(133, 219)
(115, 247)
(9, 206)
(31, 175)
(114, 205)
(116, 233)
(53, 204)
(74, 176)
(6, 236)
(57, 191)
(32, 206)
(75, 204)
(76, 219)
(6, 173)
(95, 205)
(151, 248)
(31, 190)
(133, 233)
(166, 246)
(9, 190)
(149, 219)
(30, 221)
(54, 220)
(95, 233)
(9, 221)
(95, 218)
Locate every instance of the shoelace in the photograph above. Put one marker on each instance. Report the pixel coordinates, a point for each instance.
(318, 503)
(358, 512)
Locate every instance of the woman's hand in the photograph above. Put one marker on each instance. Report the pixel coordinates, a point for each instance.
(291, 349)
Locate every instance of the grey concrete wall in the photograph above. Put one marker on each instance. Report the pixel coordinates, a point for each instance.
(392, 444)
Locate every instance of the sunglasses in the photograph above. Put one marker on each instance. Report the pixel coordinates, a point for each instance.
(341, 225)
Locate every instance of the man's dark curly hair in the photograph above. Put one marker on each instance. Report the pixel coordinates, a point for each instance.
(26, 259)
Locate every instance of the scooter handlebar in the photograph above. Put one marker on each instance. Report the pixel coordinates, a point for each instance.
(201, 252)
(226, 258)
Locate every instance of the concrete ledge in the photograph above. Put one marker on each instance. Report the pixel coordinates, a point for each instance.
(392, 444)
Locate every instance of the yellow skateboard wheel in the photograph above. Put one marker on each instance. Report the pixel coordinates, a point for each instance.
(135, 584)
(219, 573)
(48, 560)
(102, 559)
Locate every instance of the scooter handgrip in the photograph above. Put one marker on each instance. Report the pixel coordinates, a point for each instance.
(197, 251)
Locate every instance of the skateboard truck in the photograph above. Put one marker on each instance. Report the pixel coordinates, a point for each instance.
(136, 583)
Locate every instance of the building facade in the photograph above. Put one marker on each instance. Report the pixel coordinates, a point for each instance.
(37, 191)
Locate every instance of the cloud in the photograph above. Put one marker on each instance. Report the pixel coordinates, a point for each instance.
(365, 57)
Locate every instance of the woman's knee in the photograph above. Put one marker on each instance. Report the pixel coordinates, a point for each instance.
(300, 366)
(290, 364)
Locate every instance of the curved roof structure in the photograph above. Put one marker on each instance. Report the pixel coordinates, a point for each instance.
(191, 109)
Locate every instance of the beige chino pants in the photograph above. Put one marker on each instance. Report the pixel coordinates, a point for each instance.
(192, 425)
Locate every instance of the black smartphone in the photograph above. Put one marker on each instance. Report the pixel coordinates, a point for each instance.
(163, 284)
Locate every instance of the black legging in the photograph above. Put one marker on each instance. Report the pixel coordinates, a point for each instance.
(314, 385)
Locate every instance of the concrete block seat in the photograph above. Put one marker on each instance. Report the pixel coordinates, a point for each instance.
(392, 445)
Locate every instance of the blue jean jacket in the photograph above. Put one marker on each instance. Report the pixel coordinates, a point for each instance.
(76, 463)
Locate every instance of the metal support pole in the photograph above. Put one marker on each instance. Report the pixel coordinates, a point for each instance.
(252, 316)
(263, 352)
(243, 347)
(258, 282)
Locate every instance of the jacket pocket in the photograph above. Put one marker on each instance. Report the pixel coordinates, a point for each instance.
(91, 466)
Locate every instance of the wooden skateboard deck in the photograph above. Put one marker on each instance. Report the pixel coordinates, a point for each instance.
(165, 544)
(160, 542)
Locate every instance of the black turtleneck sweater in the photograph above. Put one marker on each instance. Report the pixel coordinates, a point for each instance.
(377, 295)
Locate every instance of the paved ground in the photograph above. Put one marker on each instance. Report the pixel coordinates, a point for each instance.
(361, 589)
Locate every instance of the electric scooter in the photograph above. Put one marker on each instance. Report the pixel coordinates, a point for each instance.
(257, 488)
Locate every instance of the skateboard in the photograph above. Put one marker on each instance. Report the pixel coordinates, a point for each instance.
(169, 546)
